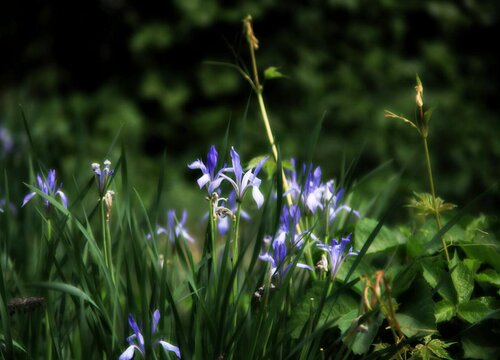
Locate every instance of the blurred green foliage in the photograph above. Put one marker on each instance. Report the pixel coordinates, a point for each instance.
(84, 73)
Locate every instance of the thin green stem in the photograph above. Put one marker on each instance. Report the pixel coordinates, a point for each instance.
(433, 193)
(212, 235)
(265, 118)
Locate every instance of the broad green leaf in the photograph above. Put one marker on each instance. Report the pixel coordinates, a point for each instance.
(476, 309)
(417, 316)
(480, 244)
(385, 239)
(272, 72)
(444, 310)
(403, 276)
(463, 279)
(489, 276)
(435, 275)
(473, 265)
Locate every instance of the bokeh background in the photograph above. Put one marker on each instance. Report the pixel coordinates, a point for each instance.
(87, 72)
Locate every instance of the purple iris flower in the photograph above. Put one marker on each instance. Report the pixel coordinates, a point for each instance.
(310, 194)
(332, 201)
(49, 187)
(210, 179)
(337, 253)
(136, 340)
(102, 176)
(278, 257)
(223, 224)
(290, 217)
(175, 228)
(243, 181)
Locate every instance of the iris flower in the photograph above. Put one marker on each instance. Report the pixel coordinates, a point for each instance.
(102, 176)
(337, 253)
(49, 187)
(244, 181)
(136, 340)
(210, 179)
(332, 201)
(311, 193)
(277, 258)
(175, 228)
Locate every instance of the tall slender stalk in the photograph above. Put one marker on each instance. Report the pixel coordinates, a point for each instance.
(433, 193)
(253, 45)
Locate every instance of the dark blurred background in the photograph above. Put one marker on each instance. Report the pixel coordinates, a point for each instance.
(87, 71)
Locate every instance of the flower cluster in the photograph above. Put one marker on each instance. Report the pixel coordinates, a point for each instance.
(240, 180)
(314, 194)
(136, 340)
(49, 187)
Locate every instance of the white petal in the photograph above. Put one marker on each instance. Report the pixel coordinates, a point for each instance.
(169, 347)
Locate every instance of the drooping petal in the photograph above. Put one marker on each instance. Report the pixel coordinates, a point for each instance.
(203, 180)
(198, 164)
(169, 347)
(186, 236)
(268, 258)
(257, 196)
(214, 185)
(28, 198)
(304, 266)
(63, 197)
(129, 353)
(161, 230)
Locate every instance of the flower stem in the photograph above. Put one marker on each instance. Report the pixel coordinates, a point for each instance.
(212, 236)
(265, 118)
(433, 193)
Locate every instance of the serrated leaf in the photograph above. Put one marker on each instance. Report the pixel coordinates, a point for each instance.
(384, 240)
(489, 276)
(479, 244)
(435, 275)
(424, 203)
(476, 309)
(438, 347)
(462, 278)
(272, 72)
(444, 310)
